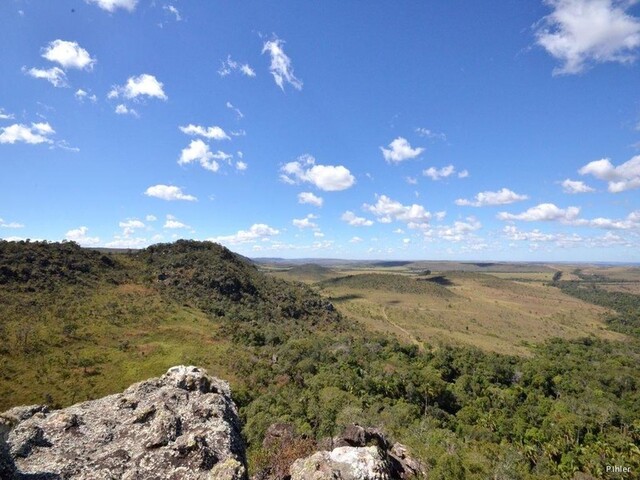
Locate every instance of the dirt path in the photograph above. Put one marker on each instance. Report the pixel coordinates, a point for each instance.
(413, 339)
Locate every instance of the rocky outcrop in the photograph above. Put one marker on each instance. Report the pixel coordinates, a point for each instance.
(358, 454)
(181, 426)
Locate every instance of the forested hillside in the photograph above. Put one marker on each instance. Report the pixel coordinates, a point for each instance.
(78, 324)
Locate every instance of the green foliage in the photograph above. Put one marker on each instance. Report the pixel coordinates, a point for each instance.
(78, 324)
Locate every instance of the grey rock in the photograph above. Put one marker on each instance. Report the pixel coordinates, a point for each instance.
(343, 463)
(181, 426)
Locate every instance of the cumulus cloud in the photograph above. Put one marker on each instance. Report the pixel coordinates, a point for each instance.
(122, 109)
(575, 186)
(151, 218)
(229, 66)
(620, 178)
(81, 237)
(632, 221)
(130, 226)
(6, 116)
(241, 166)
(212, 133)
(113, 5)
(388, 210)
(581, 32)
(4, 224)
(143, 85)
(503, 196)
(81, 95)
(168, 192)
(310, 198)
(199, 152)
(439, 173)
(20, 133)
(54, 75)
(281, 67)
(68, 55)
(326, 177)
(543, 212)
(400, 150)
(355, 221)
(356, 240)
(256, 232)
(459, 230)
(306, 222)
(172, 223)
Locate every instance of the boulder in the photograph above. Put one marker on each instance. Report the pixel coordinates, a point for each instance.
(344, 463)
(183, 425)
(358, 453)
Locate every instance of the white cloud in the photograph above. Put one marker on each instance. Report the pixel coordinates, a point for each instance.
(228, 66)
(6, 116)
(411, 180)
(579, 32)
(281, 67)
(632, 221)
(356, 240)
(212, 133)
(151, 218)
(430, 134)
(16, 133)
(305, 222)
(256, 232)
(68, 55)
(237, 111)
(54, 75)
(440, 215)
(326, 177)
(126, 242)
(168, 192)
(174, 11)
(80, 94)
(198, 151)
(130, 226)
(542, 213)
(437, 174)
(310, 198)
(173, 223)
(620, 178)
(459, 231)
(501, 197)
(354, 220)
(400, 150)
(142, 85)
(113, 5)
(122, 109)
(575, 186)
(241, 166)
(79, 235)
(388, 210)
(463, 174)
(4, 224)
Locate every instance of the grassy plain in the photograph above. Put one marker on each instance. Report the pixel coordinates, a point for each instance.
(504, 311)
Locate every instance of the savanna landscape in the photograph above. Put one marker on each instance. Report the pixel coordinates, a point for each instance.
(484, 371)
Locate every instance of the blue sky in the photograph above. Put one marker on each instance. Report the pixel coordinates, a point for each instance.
(392, 130)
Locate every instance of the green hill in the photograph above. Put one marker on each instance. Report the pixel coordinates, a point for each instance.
(77, 324)
(389, 282)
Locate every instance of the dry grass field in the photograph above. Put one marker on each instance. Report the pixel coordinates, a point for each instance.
(504, 311)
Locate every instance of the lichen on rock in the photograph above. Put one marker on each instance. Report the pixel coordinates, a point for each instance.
(182, 426)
